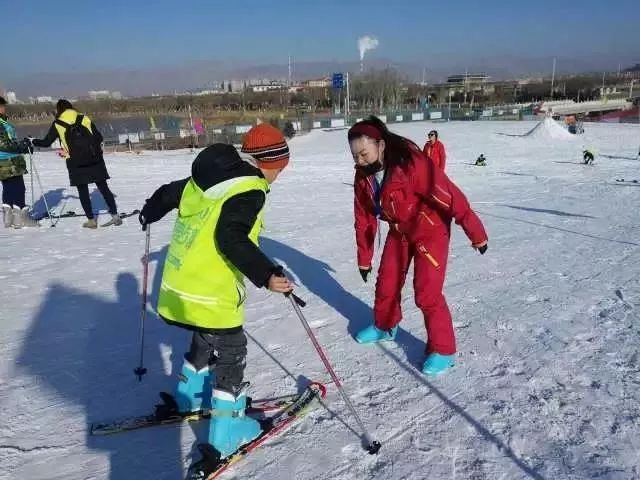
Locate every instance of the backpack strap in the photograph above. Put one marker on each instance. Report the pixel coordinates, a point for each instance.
(79, 119)
(61, 123)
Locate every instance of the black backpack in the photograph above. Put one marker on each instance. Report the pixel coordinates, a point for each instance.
(82, 145)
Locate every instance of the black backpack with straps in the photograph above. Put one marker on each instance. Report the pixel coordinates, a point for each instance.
(82, 145)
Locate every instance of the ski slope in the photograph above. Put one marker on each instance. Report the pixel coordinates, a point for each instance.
(547, 379)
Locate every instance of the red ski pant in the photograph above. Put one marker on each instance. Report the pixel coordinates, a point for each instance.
(430, 264)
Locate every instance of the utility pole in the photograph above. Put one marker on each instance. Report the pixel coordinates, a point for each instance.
(347, 108)
(553, 76)
(466, 77)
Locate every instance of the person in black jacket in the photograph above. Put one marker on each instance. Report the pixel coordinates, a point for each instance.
(212, 373)
(85, 161)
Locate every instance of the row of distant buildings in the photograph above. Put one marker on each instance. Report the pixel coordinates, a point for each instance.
(13, 99)
(259, 85)
(467, 84)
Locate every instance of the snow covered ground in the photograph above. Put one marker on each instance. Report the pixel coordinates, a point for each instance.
(548, 372)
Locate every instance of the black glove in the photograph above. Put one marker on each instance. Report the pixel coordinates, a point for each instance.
(26, 146)
(143, 221)
(483, 248)
(364, 273)
(143, 217)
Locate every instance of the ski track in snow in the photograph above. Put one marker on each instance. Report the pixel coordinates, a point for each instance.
(547, 379)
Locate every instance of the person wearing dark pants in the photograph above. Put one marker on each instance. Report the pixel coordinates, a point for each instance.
(12, 168)
(13, 191)
(214, 246)
(229, 362)
(81, 142)
(85, 200)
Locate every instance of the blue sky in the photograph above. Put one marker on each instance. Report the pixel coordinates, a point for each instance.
(67, 35)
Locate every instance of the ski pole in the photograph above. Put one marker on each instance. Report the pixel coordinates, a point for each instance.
(34, 171)
(33, 199)
(140, 370)
(373, 446)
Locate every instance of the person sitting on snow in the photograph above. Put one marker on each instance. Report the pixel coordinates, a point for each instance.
(481, 161)
(214, 246)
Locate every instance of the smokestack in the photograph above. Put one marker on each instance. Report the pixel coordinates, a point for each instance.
(365, 44)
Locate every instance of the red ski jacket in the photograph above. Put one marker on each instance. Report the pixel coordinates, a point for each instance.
(417, 200)
(436, 153)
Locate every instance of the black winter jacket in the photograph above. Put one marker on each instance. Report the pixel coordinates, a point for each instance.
(215, 164)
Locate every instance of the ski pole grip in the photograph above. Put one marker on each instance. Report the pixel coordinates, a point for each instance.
(279, 272)
(297, 299)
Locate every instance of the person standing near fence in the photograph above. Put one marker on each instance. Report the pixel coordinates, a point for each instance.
(81, 142)
(12, 168)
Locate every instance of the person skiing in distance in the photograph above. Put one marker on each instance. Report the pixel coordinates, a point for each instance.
(481, 161)
(81, 142)
(434, 149)
(214, 246)
(588, 156)
(13, 167)
(396, 182)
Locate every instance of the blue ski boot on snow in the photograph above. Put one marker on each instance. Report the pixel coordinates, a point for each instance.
(194, 388)
(373, 334)
(435, 364)
(230, 428)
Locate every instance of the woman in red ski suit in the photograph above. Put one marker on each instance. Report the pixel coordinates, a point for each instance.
(397, 183)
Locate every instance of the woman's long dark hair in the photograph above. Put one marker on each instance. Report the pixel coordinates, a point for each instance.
(397, 148)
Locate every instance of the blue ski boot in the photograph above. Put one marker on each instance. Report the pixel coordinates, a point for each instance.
(229, 427)
(435, 364)
(373, 334)
(194, 388)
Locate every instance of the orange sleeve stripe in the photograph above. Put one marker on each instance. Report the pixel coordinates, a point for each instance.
(440, 201)
(443, 191)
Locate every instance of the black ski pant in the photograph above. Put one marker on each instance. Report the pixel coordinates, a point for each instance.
(13, 191)
(225, 351)
(85, 200)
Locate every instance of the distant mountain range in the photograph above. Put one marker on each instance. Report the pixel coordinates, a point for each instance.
(201, 74)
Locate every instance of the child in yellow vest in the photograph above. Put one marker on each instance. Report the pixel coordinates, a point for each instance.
(214, 246)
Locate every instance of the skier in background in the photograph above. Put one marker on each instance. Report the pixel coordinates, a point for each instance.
(434, 149)
(588, 156)
(214, 246)
(85, 161)
(13, 167)
(481, 161)
(396, 182)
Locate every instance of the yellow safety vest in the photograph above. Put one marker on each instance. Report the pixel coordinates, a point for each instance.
(200, 287)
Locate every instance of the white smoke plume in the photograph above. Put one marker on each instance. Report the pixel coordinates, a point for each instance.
(365, 44)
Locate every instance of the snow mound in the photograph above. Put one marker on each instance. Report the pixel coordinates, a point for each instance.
(549, 128)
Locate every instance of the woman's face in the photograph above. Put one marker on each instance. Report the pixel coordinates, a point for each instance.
(366, 151)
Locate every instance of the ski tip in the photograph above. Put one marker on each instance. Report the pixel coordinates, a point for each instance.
(374, 447)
